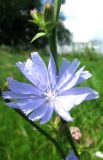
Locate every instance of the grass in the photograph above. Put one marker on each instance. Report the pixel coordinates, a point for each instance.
(19, 141)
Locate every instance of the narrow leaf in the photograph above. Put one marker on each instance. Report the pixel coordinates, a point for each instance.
(41, 34)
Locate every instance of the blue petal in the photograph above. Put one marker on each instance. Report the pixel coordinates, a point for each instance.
(84, 76)
(72, 81)
(64, 66)
(35, 71)
(52, 71)
(68, 73)
(22, 88)
(28, 71)
(39, 113)
(27, 105)
(40, 67)
(75, 96)
(62, 113)
(13, 95)
(48, 114)
(91, 94)
(33, 105)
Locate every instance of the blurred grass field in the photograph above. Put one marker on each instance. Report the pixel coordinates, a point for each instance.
(19, 141)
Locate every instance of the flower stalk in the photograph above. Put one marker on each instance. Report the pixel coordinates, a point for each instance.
(53, 48)
(57, 5)
(47, 93)
(69, 136)
(52, 37)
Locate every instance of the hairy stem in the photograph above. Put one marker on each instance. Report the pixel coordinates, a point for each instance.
(57, 5)
(53, 47)
(51, 139)
(69, 136)
(52, 37)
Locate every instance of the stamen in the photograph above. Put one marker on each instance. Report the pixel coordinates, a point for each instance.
(50, 95)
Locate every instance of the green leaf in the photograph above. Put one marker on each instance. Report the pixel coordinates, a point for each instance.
(49, 26)
(41, 34)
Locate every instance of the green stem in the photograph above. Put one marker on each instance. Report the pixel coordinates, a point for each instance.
(69, 136)
(52, 37)
(57, 5)
(59, 148)
(53, 46)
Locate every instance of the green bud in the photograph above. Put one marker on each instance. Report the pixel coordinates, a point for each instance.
(48, 12)
(34, 14)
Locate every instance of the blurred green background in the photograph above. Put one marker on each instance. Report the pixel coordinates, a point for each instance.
(18, 140)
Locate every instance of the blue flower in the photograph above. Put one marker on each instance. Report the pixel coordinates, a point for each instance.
(49, 91)
(71, 156)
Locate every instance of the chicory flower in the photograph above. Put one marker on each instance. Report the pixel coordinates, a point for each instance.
(48, 91)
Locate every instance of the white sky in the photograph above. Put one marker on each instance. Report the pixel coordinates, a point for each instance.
(84, 19)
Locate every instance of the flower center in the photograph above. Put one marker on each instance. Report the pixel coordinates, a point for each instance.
(51, 95)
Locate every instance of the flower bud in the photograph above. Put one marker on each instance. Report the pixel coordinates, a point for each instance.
(48, 12)
(33, 13)
(75, 132)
